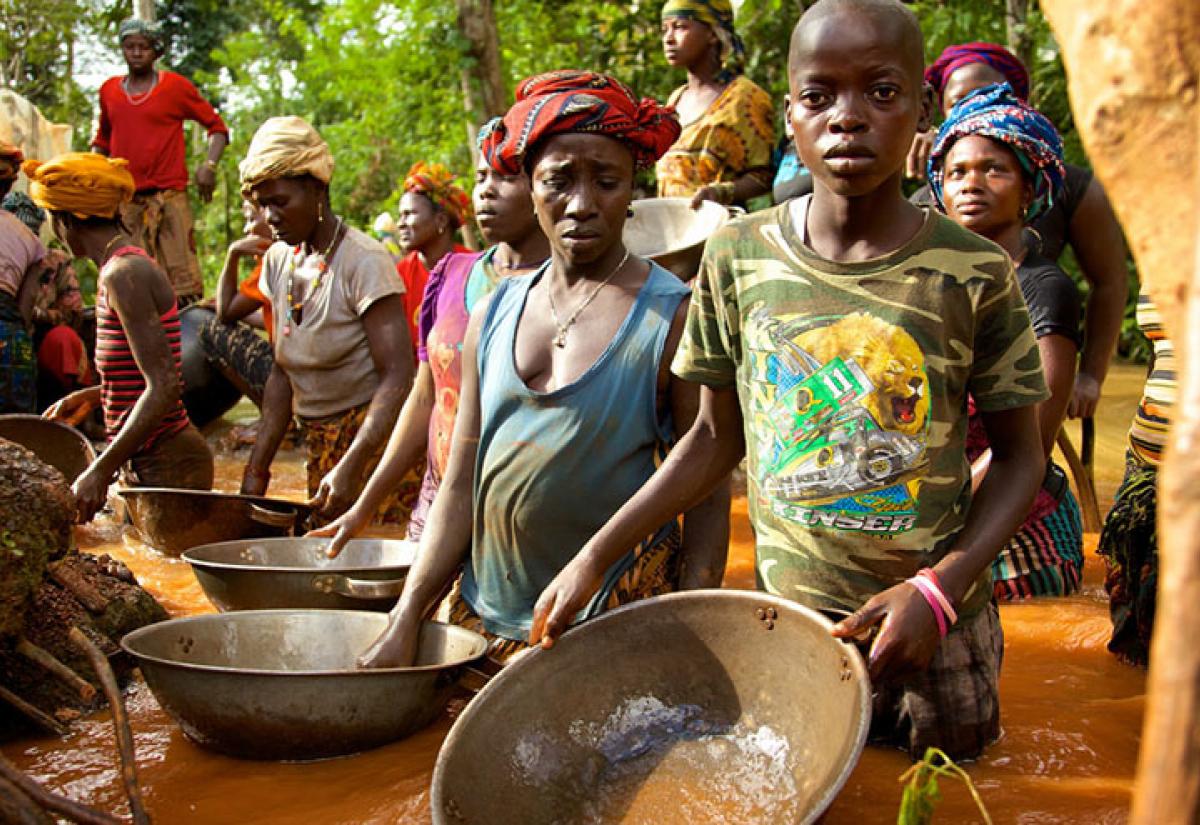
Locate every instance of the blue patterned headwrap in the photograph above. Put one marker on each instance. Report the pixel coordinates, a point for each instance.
(997, 113)
(25, 209)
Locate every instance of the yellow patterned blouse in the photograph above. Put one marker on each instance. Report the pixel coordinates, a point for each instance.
(734, 136)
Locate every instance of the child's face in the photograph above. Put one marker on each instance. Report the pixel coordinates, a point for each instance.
(856, 101)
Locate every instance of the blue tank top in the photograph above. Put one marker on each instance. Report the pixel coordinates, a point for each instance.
(553, 467)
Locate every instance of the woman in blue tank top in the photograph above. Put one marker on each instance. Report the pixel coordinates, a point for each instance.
(567, 400)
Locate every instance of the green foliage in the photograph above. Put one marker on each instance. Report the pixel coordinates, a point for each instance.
(921, 791)
(383, 79)
(37, 43)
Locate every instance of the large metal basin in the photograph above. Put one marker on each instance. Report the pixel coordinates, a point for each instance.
(256, 574)
(60, 445)
(173, 520)
(671, 233)
(706, 706)
(282, 684)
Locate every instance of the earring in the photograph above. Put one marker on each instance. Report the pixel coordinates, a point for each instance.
(629, 212)
(320, 211)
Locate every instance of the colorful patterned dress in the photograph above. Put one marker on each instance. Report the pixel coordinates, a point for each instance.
(734, 136)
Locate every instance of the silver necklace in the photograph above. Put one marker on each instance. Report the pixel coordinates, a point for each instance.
(560, 337)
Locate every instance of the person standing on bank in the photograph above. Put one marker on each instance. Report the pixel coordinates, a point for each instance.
(141, 119)
(723, 153)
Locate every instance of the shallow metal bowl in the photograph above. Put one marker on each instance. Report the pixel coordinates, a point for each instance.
(60, 445)
(173, 520)
(706, 706)
(671, 233)
(254, 574)
(282, 684)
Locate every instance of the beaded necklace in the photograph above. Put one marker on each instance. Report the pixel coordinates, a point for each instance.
(137, 99)
(295, 309)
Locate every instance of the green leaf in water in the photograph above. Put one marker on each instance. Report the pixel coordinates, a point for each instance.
(921, 791)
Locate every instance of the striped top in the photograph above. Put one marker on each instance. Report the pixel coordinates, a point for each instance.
(121, 382)
(1151, 422)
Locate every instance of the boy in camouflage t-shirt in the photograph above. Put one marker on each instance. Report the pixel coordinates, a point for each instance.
(836, 339)
(853, 381)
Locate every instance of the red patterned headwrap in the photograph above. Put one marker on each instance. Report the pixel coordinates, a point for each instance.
(573, 101)
(998, 57)
(436, 182)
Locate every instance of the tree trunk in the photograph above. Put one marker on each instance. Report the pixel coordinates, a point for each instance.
(1134, 71)
(1016, 15)
(484, 96)
(144, 10)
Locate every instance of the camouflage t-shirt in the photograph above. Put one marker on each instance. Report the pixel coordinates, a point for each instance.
(853, 383)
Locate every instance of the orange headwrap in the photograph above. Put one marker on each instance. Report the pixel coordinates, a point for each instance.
(85, 184)
(436, 182)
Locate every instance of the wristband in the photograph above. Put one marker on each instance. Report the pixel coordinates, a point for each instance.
(210, 163)
(930, 575)
(925, 589)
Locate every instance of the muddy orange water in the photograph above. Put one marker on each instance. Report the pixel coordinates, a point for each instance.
(1072, 714)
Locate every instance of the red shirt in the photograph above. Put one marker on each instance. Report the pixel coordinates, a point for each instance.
(149, 134)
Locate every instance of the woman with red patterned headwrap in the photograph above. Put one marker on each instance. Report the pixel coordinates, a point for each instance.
(432, 209)
(567, 399)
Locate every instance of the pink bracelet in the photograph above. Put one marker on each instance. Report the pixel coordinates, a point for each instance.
(926, 591)
(929, 574)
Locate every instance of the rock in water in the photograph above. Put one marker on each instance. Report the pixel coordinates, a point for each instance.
(47, 587)
(37, 509)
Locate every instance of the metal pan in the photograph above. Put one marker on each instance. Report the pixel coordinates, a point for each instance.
(732, 705)
(671, 233)
(60, 445)
(172, 520)
(255, 574)
(282, 684)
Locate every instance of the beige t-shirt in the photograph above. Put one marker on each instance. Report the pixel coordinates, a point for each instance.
(327, 357)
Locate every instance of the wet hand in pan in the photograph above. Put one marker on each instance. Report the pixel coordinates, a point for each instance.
(335, 494)
(206, 182)
(91, 492)
(396, 647)
(71, 410)
(563, 598)
(341, 530)
(908, 636)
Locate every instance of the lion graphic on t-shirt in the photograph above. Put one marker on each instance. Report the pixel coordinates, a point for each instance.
(889, 356)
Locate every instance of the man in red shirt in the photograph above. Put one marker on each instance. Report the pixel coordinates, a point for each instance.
(141, 120)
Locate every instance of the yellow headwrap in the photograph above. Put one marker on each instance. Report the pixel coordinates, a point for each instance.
(285, 147)
(85, 184)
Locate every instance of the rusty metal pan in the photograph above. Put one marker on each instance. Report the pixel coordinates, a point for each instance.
(174, 520)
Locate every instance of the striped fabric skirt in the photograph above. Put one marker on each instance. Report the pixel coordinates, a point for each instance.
(327, 440)
(1044, 558)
